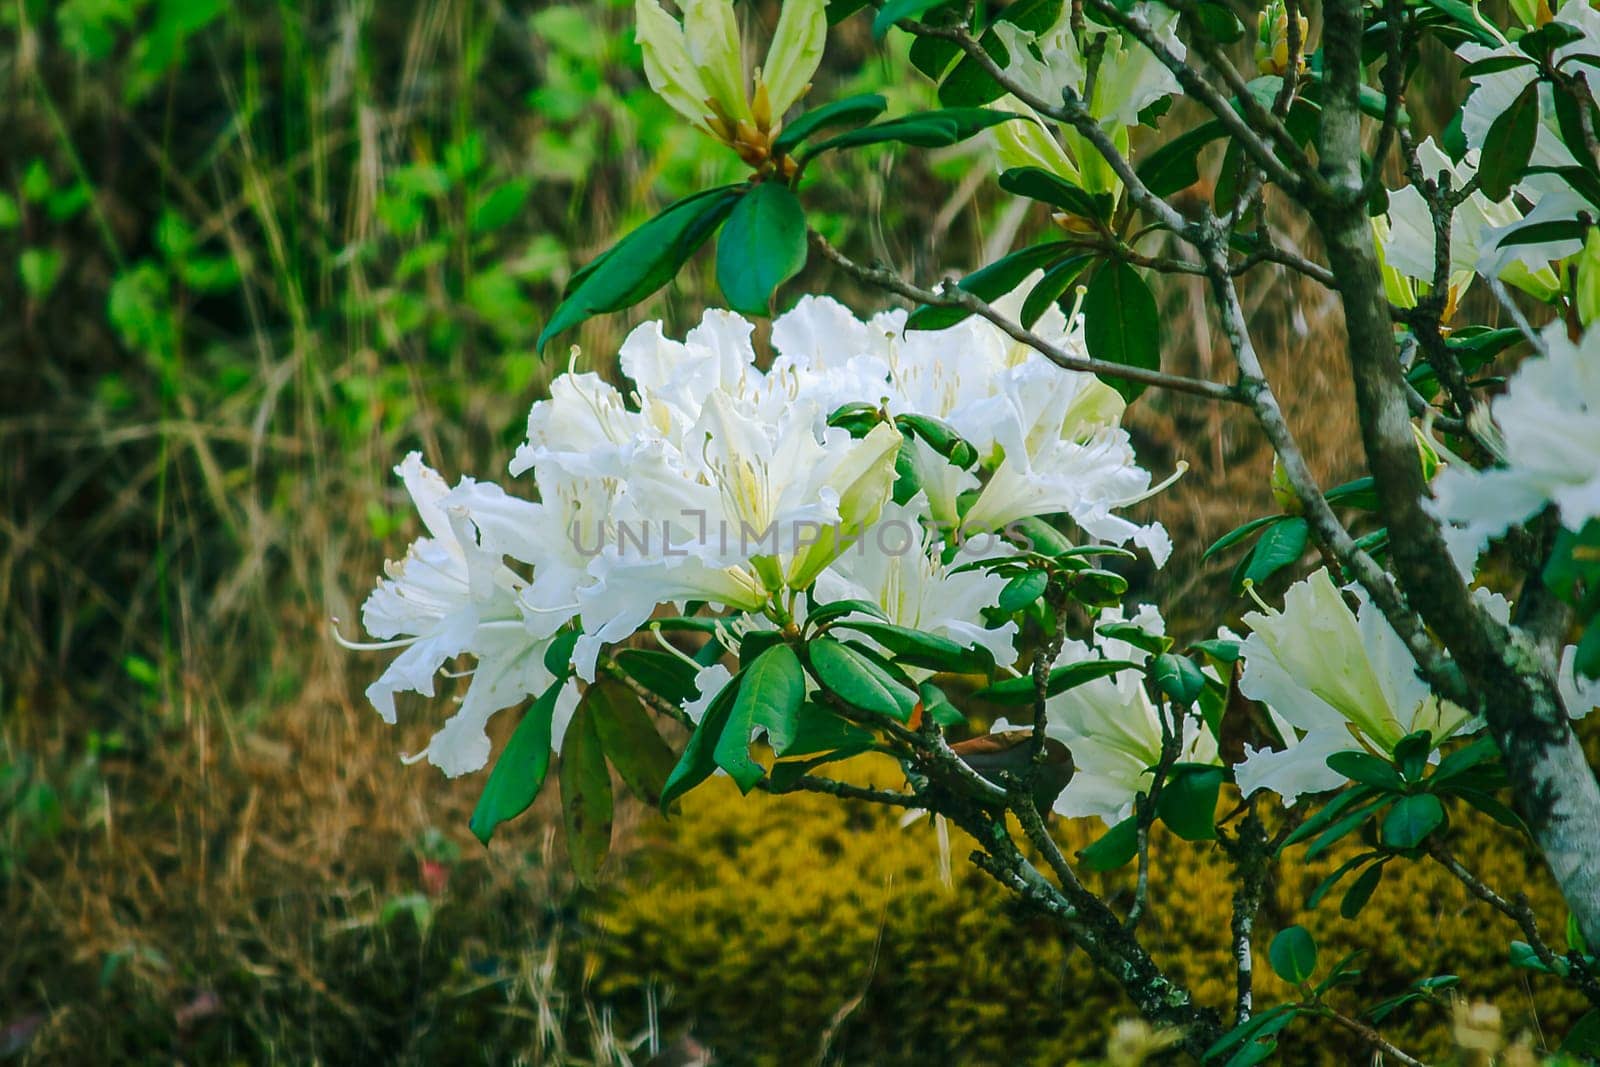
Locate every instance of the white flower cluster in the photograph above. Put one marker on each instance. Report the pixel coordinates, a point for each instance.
(717, 482)
(1547, 431)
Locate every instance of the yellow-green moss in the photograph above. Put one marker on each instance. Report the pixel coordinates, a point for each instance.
(785, 925)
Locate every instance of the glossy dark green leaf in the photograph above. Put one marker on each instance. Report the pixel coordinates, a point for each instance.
(1465, 16)
(1188, 801)
(1535, 233)
(519, 773)
(1411, 820)
(913, 648)
(629, 739)
(1360, 891)
(1175, 165)
(1063, 678)
(1023, 590)
(1280, 546)
(895, 10)
(989, 284)
(941, 437)
(1367, 769)
(1239, 533)
(643, 261)
(817, 729)
(770, 694)
(1293, 955)
(920, 129)
(1113, 849)
(1178, 677)
(1509, 144)
(662, 673)
(1121, 324)
(858, 681)
(558, 654)
(1055, 281)
(762, 246)
(586, 804)
(1036, 183)
(968, 84)
(1411, 754)
(699, 757)
(1327, 885)
(851, 111)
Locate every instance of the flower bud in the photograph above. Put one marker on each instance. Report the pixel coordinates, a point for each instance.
(1587, 287)
(795, 52)
(1272, 44)
(712, 34)
(667, 63)
(1282, 491)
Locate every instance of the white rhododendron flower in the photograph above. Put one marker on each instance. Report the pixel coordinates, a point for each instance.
(1113, 729)
(452, 595)
(1549, 426)
(698, 67)
(1408, 245)
(707, 479)
(1128, 78)
(904, 574)
(1340, 680)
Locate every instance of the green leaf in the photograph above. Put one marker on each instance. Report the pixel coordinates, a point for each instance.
(938, 707)
(1536, 233)
(1056, 281)
(585, 796)
(895, 10)
(917, 649)
(1356, 897)
(558, 654)
(921, 129)
(1023, 590)
(1509, 144)
(643, 261)
(762, 246)
(988, 284)
(1239, 533)
(1069, 676)
(699, 758)
(1036, 183)
(773, 688)
(969, 84)
(10, 213)
(1120, 323)
(1188, 801)
(1137, 636)
(1178, 677)
(1411, 754)
(1293, 955)
(1280, 546)
(1114, 848)
(519, 773)
(851, 111)
(1584, 1037)
(1465, 16)
(1330, 811)
(1354, 819)
(629, 739)
(1481, 750)
(1326, 885)
(941, 437)
(662, 673)
(1175, 165)
(1411, 820)
(816, 729)
(858, 681)
(838, 609)
(1367, 769)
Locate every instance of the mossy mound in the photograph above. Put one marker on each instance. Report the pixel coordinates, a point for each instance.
(802, 929)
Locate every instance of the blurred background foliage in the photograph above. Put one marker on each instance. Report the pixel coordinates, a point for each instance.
(252, 253)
